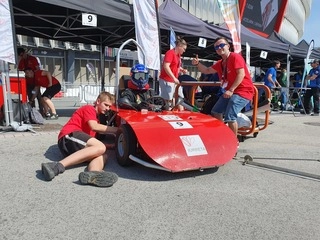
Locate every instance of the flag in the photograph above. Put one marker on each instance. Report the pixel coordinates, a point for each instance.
(231, 14)
(172, 38)
(7, 39)
(307, 64)
(147, 32)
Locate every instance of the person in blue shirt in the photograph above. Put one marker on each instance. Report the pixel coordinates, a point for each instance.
(297, 79)
(313, 82)
(270, 78)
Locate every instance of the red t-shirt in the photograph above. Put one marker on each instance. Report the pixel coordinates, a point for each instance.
(43, 81)
(29, 62)
(235, 61)
(175, 62)
(79, 121)
(30, 81)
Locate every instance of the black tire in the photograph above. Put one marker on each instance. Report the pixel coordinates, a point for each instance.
(126, 144)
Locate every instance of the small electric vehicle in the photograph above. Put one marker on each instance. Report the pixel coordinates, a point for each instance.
(170, 140)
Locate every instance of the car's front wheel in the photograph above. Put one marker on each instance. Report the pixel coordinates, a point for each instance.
(126, 144)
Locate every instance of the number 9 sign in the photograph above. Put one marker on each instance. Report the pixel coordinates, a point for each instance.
(89, 19)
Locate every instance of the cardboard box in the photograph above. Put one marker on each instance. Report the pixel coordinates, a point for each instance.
(124, 74)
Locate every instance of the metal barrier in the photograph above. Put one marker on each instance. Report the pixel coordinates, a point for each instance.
(81, 94)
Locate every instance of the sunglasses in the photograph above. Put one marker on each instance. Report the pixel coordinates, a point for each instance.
(221, 45)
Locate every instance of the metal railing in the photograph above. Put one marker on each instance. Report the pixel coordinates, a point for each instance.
(81, 94)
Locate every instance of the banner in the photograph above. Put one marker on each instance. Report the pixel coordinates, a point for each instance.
(147, 32)
(307, 66)
(172, 38)
(265, 16)
(7, 40)
(231, 15)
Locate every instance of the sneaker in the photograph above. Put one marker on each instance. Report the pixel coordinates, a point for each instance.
(51, 169)
(99, 179)
(53, 117)
(314, 114)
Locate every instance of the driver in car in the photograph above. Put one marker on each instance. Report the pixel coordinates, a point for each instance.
(138, 90)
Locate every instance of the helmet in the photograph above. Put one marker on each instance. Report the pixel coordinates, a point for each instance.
(139, 76)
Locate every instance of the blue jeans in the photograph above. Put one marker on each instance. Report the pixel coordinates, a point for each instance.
(284, 96)
(230, 107)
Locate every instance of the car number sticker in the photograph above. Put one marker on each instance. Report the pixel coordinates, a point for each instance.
(193, 145)
(180, 125)
(170, 117)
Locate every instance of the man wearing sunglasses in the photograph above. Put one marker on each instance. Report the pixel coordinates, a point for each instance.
(236, 83)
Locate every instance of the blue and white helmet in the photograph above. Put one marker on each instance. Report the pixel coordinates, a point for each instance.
(139, 76)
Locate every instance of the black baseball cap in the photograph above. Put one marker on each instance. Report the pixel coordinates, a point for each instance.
(315, 61)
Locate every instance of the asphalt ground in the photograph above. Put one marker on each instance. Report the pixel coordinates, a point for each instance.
(235, 201)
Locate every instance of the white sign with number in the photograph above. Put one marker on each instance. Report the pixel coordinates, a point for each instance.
(89, 19)
(263, 54)
(202, 42)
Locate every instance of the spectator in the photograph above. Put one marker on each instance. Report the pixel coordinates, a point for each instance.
(297, 79)
(170, 71)
(78, 144)
(313, 79)
(270, 78)
(260, 78)
(236, 83)
(45, 79)
(284, 88)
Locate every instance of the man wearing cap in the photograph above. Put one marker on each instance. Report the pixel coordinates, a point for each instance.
(313, 80)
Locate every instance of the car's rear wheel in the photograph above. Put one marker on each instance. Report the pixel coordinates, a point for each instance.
(126, 144)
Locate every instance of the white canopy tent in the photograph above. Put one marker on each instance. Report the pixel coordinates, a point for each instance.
(7, 55)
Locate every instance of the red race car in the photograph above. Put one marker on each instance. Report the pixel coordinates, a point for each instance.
(169, 140)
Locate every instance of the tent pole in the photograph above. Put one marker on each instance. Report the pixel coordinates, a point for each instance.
(19, 98)
(7, 101)
(157, 71)
(102, 67)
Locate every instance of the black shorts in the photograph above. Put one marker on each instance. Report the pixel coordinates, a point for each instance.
(73, 142)
(51, 91)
